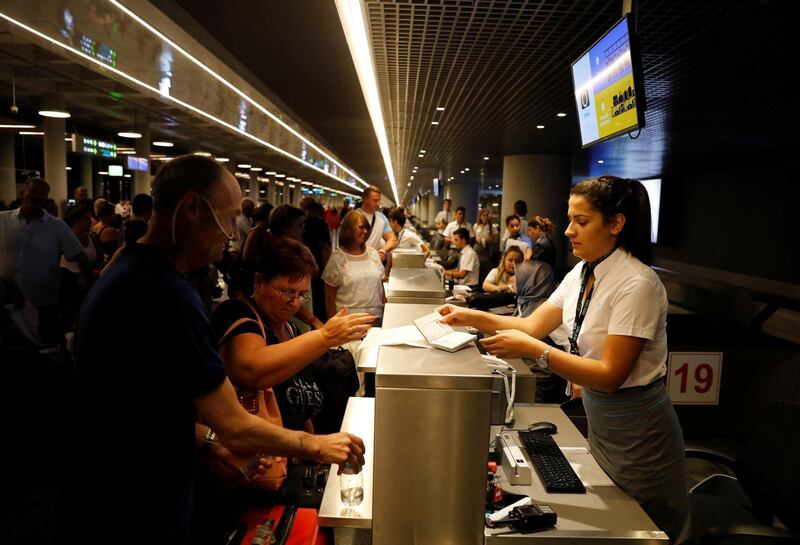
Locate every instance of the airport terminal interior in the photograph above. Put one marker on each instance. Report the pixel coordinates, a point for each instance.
(369, 222)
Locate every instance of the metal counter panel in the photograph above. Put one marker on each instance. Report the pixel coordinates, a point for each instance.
(420, 283)
(359, 419)
(431, 477)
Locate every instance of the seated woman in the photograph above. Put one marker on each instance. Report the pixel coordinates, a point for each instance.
(354, 274)
(501, 278)
(276, 356)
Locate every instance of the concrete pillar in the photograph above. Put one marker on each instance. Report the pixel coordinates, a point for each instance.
(55, 160)
(271, 185)
(543, 182)
(434, 205)
(141, 180)
(464, 193)
(297, 195)
(8, 168)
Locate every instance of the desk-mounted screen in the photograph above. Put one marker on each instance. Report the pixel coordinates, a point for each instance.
(609, 93)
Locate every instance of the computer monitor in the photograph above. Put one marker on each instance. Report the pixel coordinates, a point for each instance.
(608, 87)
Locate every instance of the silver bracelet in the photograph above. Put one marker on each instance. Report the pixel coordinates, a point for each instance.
(210, 435)
(542, 361)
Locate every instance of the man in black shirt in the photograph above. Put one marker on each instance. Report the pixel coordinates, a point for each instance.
(317, 238)
(147, 365)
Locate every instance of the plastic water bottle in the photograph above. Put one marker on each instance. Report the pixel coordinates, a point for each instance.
(351, 486)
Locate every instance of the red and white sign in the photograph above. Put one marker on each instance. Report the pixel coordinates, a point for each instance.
(693, 378)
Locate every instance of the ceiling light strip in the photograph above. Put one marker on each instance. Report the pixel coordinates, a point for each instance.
(235, 89)
(175, 100)
(352, 17)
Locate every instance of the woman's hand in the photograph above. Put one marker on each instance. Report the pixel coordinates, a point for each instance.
(343, 327)
(455, 316)
(511, 343)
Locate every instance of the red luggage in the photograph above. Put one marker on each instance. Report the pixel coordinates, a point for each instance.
(298, 525)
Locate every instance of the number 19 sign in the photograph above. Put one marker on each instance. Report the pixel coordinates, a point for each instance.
(693, 377)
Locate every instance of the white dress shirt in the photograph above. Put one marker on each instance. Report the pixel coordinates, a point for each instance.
(628, 299)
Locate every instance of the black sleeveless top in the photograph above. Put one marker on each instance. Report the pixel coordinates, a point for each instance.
(299, 397)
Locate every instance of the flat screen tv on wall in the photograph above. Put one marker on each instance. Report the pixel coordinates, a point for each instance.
(608, 86)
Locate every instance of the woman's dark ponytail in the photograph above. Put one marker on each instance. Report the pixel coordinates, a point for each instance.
(610, 195)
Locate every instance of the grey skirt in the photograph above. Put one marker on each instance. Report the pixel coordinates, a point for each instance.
(636, 438)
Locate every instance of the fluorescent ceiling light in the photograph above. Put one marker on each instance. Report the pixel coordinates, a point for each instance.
(126, 152)
(409, 184)
(163, 144)
(195, 109)
(68, 168)
(466, 170)
(280, 175)
(271, 173)
(600, 162)
(351, 15)
(60, 114)
(103, 172)
(434, 122)
(129, 134)
(12, 126)
(422, 151)
(222, 159)
(540, 126)
(127, 175)
(411, 178)
(421, 155)
(68, 140)
(202, 153)
(561, 114)
(31, 133)
(256, 169)
(244, 165)
(485, 158)
(440, 109)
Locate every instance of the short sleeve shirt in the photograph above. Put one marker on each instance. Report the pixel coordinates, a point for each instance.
(31, 254)
(408, 240)
(358, 279)
(144, 352)
(628, 299)
(468, 261)
(379, 229)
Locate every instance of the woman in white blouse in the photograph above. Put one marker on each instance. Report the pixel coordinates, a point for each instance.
(354, 274)
(615, 308)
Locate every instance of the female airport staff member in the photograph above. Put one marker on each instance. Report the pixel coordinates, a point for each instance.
(615, 307)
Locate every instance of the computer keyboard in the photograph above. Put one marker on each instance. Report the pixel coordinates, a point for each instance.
(554, 469)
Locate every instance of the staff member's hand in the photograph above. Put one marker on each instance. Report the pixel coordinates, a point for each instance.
(341, 448)
(455, 316)
(343, 327)
(511, 343)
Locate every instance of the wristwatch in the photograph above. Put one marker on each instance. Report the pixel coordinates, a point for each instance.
(541, 361)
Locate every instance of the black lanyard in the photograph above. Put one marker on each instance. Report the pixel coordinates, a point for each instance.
(581, 310)
(400, 237)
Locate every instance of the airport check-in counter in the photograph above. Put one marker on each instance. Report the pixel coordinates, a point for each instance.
(408, 259)
(429, 447)
(415, 286)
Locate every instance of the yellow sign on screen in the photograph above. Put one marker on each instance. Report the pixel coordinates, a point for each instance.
(616, 106)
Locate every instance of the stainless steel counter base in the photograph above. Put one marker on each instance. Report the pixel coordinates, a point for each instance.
(415, 284)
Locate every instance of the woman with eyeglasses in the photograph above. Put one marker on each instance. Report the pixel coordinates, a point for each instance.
(259, 345)
(354, 274)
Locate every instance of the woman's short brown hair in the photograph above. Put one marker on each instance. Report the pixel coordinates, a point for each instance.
(281, 256)
(347, 231)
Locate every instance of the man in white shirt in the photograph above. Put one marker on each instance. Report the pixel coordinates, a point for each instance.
(381, 236)
(456, 224)
(31, 245)
(466, 273)
(443, 218)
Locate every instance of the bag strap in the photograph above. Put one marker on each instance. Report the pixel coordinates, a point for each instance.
(241, 321)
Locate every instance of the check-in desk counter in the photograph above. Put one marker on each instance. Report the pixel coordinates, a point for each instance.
(432, 410)
(415, 286)
(408, 259)
(605, 514)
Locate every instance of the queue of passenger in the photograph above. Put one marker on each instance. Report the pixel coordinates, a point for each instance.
(240, 385)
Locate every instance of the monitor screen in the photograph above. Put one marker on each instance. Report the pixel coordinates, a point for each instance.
(115, 170)
(608, 90)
